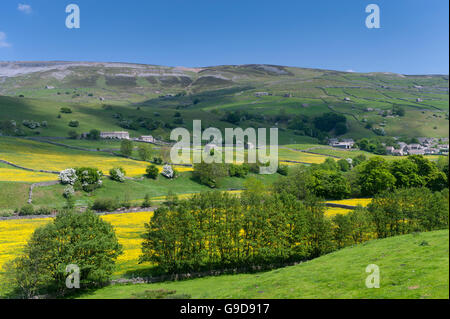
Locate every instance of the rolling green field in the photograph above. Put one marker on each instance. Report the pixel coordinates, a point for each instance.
(412, 266)
(38, 155)
(96, 92)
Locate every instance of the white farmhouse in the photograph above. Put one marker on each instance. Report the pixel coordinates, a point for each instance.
(118, 135)
(147, 138)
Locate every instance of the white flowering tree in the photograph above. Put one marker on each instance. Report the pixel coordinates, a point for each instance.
(68, 176)
(69, 191)
(168, 171)
(117, 174)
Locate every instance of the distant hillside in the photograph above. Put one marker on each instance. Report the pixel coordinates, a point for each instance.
(414, 266)
(271, 95)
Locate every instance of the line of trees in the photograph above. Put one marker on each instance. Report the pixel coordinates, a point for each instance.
(217, 230)
(338, 180)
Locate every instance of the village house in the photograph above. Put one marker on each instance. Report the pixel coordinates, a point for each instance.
(416, 151)
(397, 152)
(332, 141)
(345, 143)
(147, 138)
(426, 146)
(402, 145)
(415, 147)
(118, 135)
(258, 94)
(432, 151)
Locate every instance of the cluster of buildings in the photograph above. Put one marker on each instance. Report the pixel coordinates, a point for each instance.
(123, 135)
(346, 143)
(426, 146)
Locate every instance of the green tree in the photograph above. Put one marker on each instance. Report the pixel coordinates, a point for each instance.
(117, 174)
(297, 183)
(398, 110)
(152, 171)
(375, 176)
(344, 165)
(94, 134)
(147, 202)
(126, 148)
(81, 239)
(358, 159)
(235, 170)
(434, 178)
(329, 164)
(406, 173)
(210, 174)
(88, 179)
(340, 128)
(329, 184)
(409, 210)
(73, 135)
(74, 123)
(145, 152)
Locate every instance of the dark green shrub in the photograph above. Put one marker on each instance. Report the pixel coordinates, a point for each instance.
(43, 211)
(65, 110)
(73, 135)
(147, 202)
(238, 170)
(74, 123)
(210, 174)
(93, 134)
(152, 171)
(283, 170)
(105, 204)
(26, 210)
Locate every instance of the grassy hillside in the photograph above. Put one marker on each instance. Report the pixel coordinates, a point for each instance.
(413, 266)
(145, 91)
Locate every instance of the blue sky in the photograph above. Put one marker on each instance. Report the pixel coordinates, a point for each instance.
(329, 34)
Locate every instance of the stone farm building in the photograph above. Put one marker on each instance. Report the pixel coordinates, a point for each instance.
(345, 143)
(118, 135)
(147, 138)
